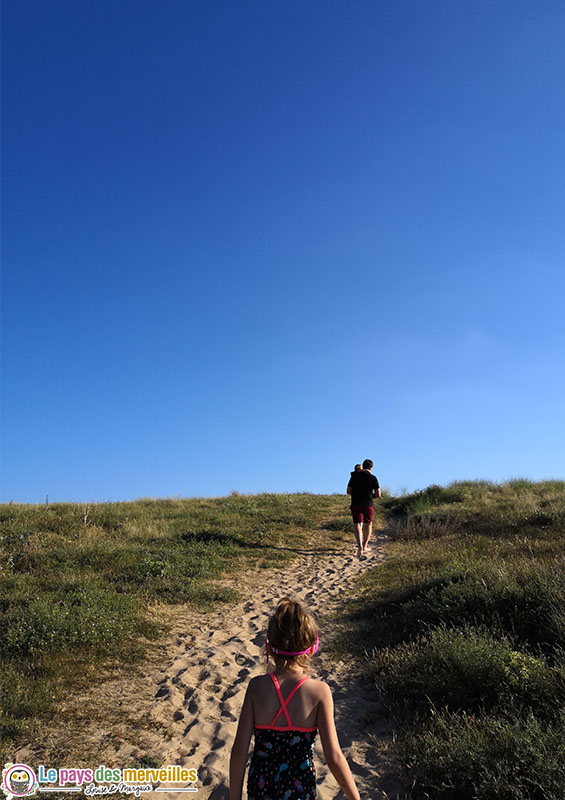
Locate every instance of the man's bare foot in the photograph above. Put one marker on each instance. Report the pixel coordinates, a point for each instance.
(359, 552)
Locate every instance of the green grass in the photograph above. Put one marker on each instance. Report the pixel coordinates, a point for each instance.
(77, 582)
(457, 756)
(466, 668)
(463, 623)
(465, 636)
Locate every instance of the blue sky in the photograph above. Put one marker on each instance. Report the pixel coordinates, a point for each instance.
(246, 245)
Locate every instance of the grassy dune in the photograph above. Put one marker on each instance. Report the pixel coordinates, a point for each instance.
(463, 624)
(465, 629)
(80, 585)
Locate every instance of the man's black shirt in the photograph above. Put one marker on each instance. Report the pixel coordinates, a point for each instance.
(363, 487)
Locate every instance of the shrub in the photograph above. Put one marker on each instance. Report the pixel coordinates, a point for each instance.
(465, 669)
(462, 757)
(424, 500)
(523, 601)
(419, 527)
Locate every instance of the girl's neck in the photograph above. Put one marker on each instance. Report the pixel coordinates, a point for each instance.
(297, 672)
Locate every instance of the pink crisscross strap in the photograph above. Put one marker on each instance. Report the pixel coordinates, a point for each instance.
(283, 709)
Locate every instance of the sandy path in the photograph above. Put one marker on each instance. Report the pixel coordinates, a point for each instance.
(200, 692)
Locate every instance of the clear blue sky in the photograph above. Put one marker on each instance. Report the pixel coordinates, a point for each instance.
(248, 244)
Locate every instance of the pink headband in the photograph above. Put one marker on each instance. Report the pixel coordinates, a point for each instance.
(269, 647)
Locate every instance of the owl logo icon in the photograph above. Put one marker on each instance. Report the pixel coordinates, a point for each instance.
(18, 780)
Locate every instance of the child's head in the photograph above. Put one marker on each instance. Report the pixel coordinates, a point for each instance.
(291, 629)
(358, 467)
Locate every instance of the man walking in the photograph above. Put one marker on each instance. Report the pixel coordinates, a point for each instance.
(363, 487)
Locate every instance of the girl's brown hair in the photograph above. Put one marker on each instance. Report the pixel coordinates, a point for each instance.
(291, 628)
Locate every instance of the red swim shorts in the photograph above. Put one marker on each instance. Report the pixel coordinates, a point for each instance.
(362, 513)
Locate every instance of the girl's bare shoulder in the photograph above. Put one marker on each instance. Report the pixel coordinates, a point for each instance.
(318, 687)
(258, 680)
(318, 691)
(259, 685)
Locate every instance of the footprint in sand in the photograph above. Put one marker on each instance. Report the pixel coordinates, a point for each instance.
(244, 661)
(189, 727)
(228, 694)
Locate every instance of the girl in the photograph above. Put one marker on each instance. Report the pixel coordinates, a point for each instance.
(285, 709)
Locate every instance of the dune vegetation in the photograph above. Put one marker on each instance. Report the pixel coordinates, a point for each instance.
(462, 624)
(80, 585)
(464, 628)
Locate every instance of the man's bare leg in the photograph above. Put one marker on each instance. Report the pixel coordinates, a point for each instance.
(359, 537)
(367, 530)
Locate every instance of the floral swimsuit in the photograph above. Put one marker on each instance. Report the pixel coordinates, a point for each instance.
(282, 766)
